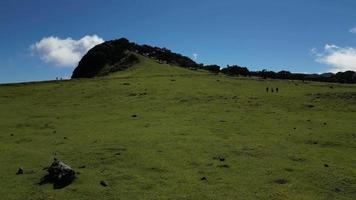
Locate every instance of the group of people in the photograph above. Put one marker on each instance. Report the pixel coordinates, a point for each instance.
(272, 89)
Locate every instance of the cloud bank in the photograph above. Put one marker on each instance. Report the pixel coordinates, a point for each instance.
(64, 52)
(338, 58)
(353, 30)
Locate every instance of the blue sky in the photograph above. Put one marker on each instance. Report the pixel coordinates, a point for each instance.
(296, 35)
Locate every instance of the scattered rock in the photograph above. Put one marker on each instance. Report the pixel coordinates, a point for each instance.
(60, 174)
(325, 123)
(204, 179)
(173, 80)
(281, 181)
(117, 154)
(126, 83)
(221, 158)
(11, 134)
(65, 138)
(134, 116)
(224, 166)
(104, 183)
(19, 171)
(326, 165)
(312, 142)
(311, 106)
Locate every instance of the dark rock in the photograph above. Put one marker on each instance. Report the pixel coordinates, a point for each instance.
(19, 171)
(224, 166)
(204, 178)
(311, 106)
(134, 116)
(104, 183)
(281, 181)
(326, 165)
(82, 167)
(11, 134)
(60, 174)
(221, 158)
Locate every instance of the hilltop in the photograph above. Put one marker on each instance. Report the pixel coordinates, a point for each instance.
(121, 54)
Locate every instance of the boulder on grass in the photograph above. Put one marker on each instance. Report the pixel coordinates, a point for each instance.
(60, 174)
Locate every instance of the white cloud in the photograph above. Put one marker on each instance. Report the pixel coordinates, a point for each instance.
(338, 58)
(195, 56)
(64, 52)
(353, 30)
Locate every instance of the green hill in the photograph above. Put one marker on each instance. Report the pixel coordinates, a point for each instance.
(157, 131)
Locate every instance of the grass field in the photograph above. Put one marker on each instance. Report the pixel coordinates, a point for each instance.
(195, 136)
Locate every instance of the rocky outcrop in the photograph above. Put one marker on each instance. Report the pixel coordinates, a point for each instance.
(118, 55)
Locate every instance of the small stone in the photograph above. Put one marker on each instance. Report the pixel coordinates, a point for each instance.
(326, 165)
(11, 134)
(204, 178)
(281, 181)
(19, 171)
(220, 158)
(134, 116)
(82, 167)
(104, 183)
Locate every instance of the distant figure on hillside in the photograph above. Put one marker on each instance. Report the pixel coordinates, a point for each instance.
(277, 90)
(272, 90)
(267, 89)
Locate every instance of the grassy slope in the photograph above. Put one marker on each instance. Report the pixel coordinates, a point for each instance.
(185, 119)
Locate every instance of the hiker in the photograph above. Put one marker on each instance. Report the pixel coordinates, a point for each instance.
(277, 90)
(267, 89)
(272, 90)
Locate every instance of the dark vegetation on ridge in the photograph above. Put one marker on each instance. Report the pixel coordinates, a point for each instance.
(118, 55)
